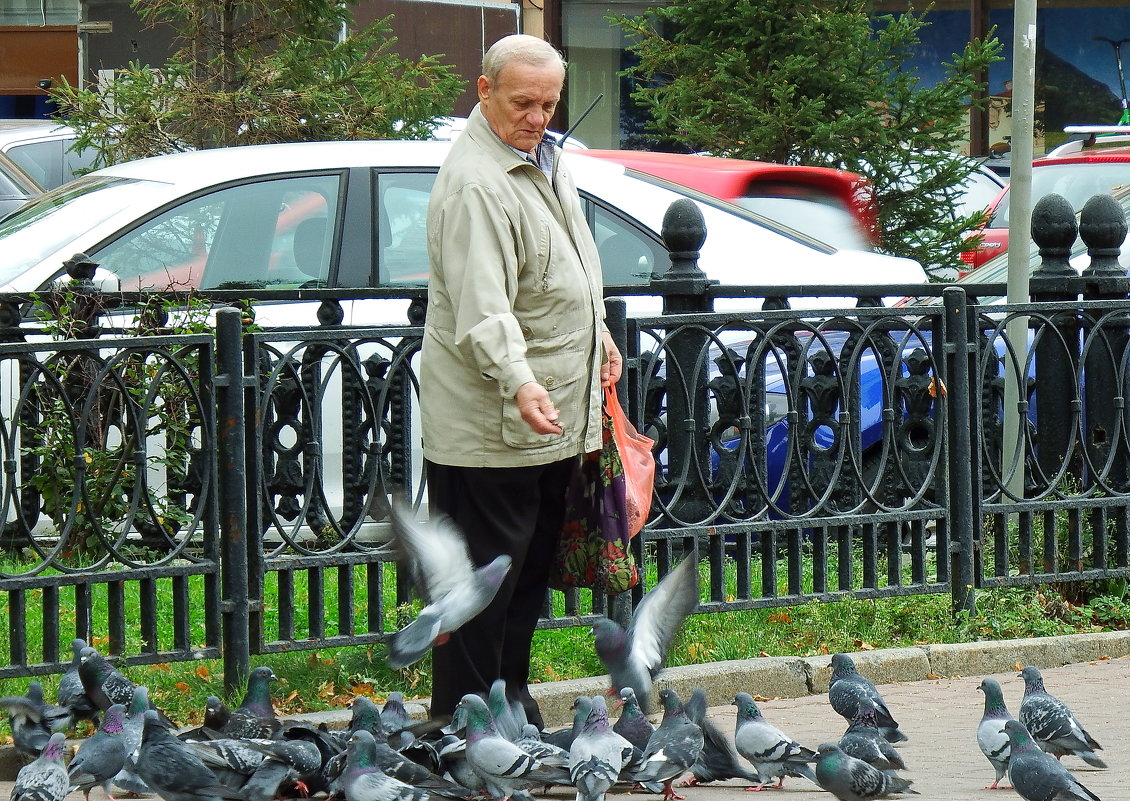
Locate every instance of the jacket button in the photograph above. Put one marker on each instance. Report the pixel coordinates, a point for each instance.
(527, 331)
(550, 382)
(506, 388)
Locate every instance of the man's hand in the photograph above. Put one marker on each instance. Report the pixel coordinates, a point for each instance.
(537, 409)
(611, 369)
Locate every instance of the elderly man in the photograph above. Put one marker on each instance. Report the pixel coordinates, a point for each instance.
(514, 356)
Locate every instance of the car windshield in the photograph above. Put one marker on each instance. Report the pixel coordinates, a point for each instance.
(1075, 182)
(38, 229)
(816, 215)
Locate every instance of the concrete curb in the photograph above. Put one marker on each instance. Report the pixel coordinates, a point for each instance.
(791, 677)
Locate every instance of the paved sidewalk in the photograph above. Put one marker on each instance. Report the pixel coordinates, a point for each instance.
(940, 716)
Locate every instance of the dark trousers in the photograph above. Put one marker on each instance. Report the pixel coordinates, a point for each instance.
(509, 510)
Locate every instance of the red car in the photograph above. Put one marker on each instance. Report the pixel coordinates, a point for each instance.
(832, 206)
(1098, 164)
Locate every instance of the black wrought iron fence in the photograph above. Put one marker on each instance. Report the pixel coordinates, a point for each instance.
(225, 495)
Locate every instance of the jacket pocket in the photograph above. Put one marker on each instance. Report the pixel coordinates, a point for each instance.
(564, 375)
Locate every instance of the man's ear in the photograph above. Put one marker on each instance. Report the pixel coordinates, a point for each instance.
(483, 87)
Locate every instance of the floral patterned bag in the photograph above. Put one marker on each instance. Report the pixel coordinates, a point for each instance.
(593, 551)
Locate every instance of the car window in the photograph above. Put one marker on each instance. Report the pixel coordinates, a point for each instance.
(628, 255)
(43, 161)
(1076, 182)
(402, 219)
(266, 233)
(808, 211)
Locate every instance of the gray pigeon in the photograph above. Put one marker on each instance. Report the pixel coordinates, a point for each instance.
(1052, 725)
(403, 769)
(285, 763)
(506, 719)
(101, 755)
(672, 749)
(172, 771)
(453, 755)
(991, 736)
(863, 740)
(846, 690)
(255, 717)
(32, 720)
(103, 683)
(634, 657)
(772, 752)
(851, 779)
(718, 760)
(453, 589)
(633, 724)
(598, 755)
(363, 779)
(70, 694)
(1035, 775)
(127, 779)
(563, 738)
(504, 767)
(45, 778)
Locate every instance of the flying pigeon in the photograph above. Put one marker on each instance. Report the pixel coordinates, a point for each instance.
(718, 760)
(363, 779)
(991, 736)
(453, 589)
(172, 771)
(70, 694)
(598, 755)
(504, 767)
(633, 724)
(863, 740)
(101, 755)
(848, 687)
(634, 657)
(1052, 725)
(45, 778)
(672, 749)
(32, 720)
(1035, 775)
(851, 779)
(772, 752)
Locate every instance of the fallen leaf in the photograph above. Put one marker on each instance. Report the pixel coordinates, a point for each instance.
(202, 672)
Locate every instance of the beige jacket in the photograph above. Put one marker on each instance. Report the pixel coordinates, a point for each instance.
(514, 296)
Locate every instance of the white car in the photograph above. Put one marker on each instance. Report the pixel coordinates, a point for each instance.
(352, 214)
(42, 149)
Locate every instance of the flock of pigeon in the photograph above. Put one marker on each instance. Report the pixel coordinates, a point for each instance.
(487, 749)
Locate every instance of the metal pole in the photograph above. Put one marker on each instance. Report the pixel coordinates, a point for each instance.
(960, 498)
(1019, 228)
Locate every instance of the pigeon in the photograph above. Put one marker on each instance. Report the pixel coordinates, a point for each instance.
(1052, 725)
(172, 771)
(363, 780)
(127, 779)
(231, 761)
(32, 720)
(718, 760)
(453, 589)
(101, 755)
(848, 687)
(851, 779)
(991, 736)
(672, 749)
(1035, 775)
(530, 741)
(71, 694)
(505, 717)
(453, 754)
(863, 740)
(403, 769)
(102, 682)
(45, 778)
(504, 767)
(772, 752)
(255, 717)
(634, 657)
(598, 755)
(563, 738)
(633, 725)
(285, 762)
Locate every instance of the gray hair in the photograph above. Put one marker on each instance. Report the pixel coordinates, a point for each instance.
(522, 48)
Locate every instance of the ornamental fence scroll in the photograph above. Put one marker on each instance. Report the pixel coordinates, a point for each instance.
(222, 494)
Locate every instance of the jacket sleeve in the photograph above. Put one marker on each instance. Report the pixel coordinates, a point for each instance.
(481, 262)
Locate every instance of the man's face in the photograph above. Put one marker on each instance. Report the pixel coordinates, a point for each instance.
(520, 102)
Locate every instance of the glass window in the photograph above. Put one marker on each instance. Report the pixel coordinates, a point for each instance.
(43, 161)
(39, 12)
(628, 255)
(402, 218)
(269, 233)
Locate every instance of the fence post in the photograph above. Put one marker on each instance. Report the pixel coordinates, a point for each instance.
(683, 288)
(960, 500)
(232, 496)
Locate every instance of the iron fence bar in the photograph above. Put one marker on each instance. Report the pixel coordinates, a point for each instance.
(959, 510)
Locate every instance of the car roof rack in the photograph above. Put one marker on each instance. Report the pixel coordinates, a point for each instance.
(1088, 136)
